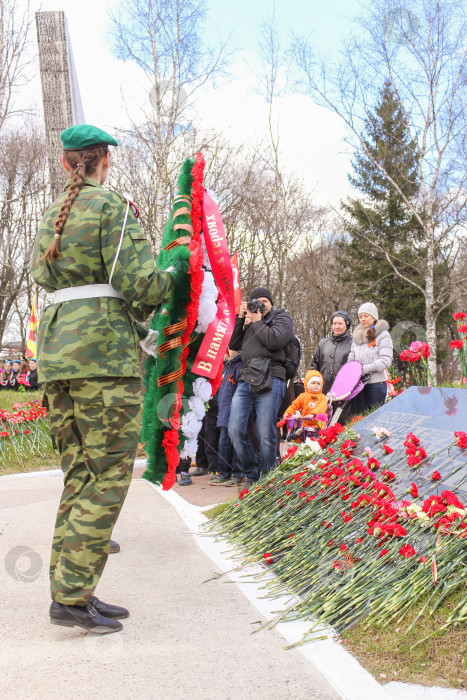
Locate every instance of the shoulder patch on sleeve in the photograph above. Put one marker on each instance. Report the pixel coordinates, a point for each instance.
(124, 197)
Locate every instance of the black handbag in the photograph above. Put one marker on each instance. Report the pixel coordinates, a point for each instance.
(257, 373)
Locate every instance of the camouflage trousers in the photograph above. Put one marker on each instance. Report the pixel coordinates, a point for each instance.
(95, 424)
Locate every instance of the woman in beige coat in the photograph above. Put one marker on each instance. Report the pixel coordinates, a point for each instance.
(372, 347)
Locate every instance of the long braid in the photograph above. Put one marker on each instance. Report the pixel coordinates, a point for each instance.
(81, 163)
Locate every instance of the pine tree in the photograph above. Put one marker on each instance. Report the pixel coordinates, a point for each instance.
(382, 215)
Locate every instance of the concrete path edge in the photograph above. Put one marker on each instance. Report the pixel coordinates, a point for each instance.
(344, 673)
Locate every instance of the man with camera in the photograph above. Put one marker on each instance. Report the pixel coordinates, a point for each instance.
(261, 333)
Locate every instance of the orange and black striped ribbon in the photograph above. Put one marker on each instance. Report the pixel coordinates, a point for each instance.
(181, 212)
(183, 240)
(175, 328)
(168, 378)
(169, 345)
(183, 227)
(180, 326)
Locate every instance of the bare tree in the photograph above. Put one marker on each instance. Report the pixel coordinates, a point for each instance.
(164, 38)
(15, 25)
(243, 180)
(274, 87)
(419, 47)
(317, 292)
(23, 199)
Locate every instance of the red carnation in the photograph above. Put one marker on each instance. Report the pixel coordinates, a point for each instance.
(411, 439)
(459, 316)
(373, 464)
(414, 490)
(268, 558)
(422, 559)
(457, 344)
(422, 349)
(461, 439)
(436, 476)
(383, 552)
(462, 329)
(407, 356)
(387, 450)
(407, 551)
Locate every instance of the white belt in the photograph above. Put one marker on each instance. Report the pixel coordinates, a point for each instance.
(86, 291)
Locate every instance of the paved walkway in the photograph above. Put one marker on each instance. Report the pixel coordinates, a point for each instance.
(184, 639)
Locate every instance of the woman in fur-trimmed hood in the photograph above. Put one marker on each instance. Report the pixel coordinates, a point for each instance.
(372, 347)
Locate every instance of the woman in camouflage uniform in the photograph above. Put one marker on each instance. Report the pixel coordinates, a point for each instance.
(88, 360)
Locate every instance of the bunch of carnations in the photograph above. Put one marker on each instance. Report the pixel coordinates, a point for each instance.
(24, 433)
(338, 539)
(418, 353)
(299, 454)
(461, 343)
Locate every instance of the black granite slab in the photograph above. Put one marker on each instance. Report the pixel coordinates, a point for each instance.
(433, 415)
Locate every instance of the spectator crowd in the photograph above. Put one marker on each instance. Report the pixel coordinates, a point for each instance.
(240, 438)
(18, 373)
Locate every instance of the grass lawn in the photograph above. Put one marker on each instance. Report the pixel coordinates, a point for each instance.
(217, 510)
(32, 456)
(389, 655)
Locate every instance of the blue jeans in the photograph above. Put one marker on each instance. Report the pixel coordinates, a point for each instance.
(372, 396)
(228, 462)
(267, 407)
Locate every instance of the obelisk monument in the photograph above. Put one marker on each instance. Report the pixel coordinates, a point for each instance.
(60, 91)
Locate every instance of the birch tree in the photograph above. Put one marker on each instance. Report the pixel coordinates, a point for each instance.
(23, 199)
(420, 49)
(164, 38)
(15, 24)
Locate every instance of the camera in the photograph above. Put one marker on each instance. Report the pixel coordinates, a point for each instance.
(256, 305)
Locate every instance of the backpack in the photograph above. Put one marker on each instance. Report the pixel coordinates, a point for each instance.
(293, 355)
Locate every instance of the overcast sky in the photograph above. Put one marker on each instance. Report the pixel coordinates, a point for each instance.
(311, 137)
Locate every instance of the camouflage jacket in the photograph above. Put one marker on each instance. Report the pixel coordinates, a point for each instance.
(95, 337)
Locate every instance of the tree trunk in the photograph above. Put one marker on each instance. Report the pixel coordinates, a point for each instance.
(429, 304)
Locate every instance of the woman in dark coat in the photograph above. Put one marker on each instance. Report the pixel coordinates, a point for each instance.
(333, 352)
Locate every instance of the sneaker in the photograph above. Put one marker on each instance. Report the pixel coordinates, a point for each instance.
(235, 481)
(218, 480)
(185, 479)
(199, 471)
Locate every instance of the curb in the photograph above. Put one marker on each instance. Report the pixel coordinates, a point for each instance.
(342, 671)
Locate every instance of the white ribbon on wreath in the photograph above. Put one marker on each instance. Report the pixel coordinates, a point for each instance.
(191, 422)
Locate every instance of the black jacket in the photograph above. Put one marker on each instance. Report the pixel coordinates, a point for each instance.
(329, 357)
(32, 379)
(266, 338)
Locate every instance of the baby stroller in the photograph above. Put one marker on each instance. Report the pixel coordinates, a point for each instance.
(297, 432)
(346, 385)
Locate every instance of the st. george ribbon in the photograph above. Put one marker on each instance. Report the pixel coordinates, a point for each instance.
(219, 332)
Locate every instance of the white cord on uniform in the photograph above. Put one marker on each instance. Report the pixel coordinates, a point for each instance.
(120, 242)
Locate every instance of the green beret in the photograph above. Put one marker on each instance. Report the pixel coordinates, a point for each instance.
(81, 136)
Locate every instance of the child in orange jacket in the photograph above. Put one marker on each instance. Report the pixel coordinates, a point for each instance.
(312, 401)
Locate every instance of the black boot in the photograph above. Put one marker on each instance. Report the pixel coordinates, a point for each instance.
(114, 547)
(114, 612)
(85, 616)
